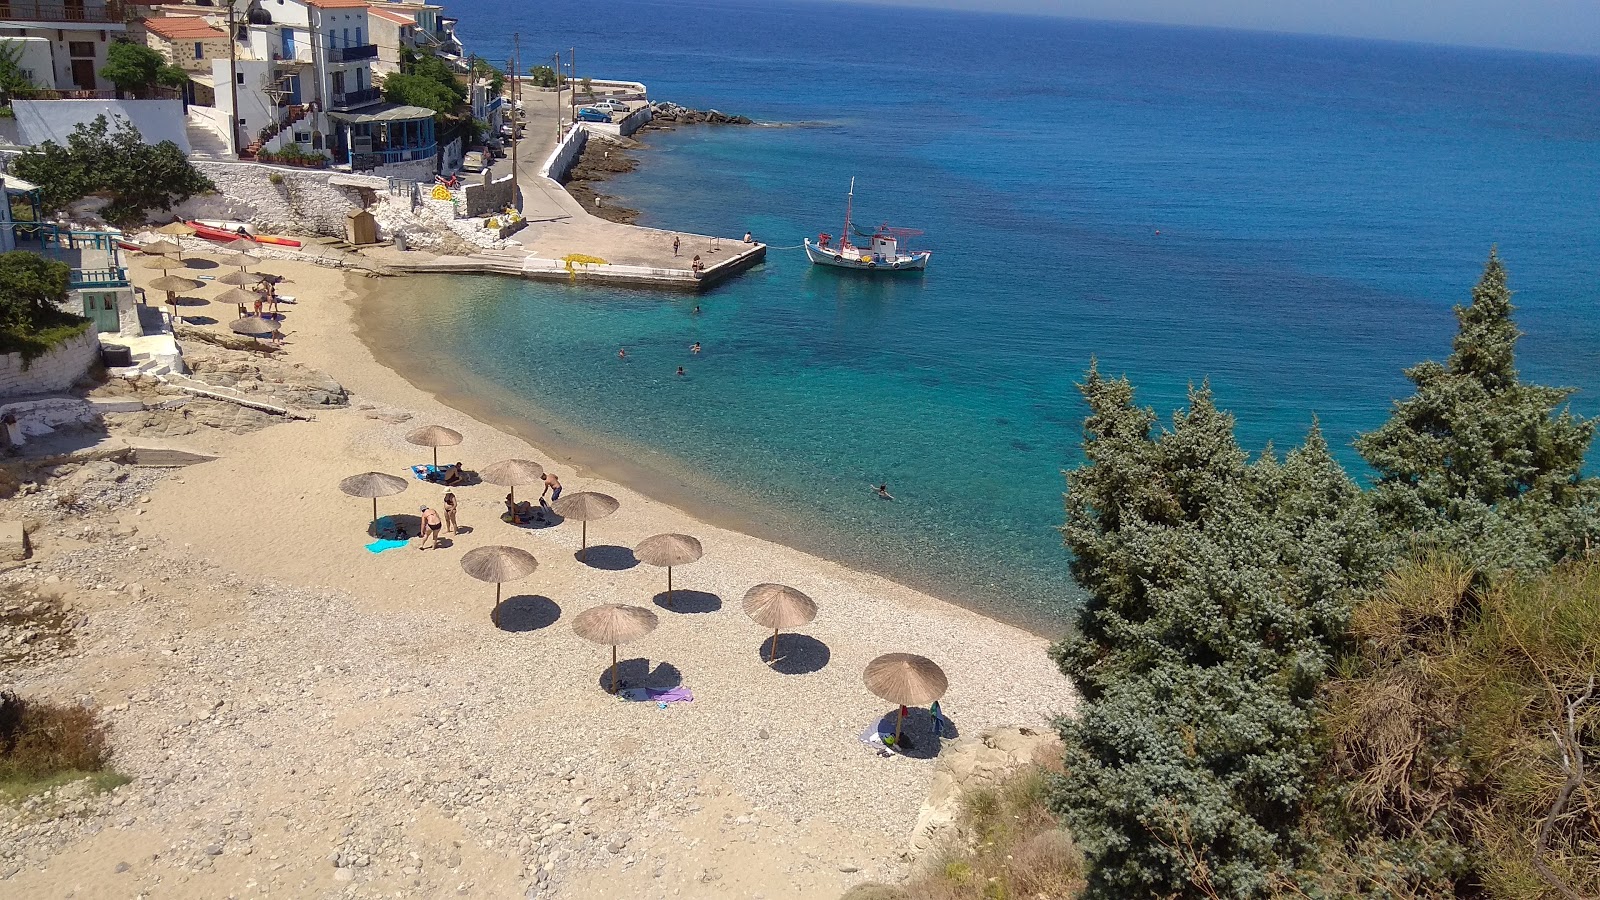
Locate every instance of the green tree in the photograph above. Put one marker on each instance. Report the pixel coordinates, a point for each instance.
(481, 69)
(13, 81)
(31, 286)
(139, 70)
(543, 76)
(417, 90)
(1479, 463)
(1218, 588)
(119, 164)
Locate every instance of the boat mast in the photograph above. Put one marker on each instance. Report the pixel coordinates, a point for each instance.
(848, 202)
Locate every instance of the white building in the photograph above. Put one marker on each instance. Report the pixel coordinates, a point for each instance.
(78, 33)
(33, 58)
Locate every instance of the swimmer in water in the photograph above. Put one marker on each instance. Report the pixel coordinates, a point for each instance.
(622, 353)
(882, 491)
(695, 348)
(696, 309)
(680, 370)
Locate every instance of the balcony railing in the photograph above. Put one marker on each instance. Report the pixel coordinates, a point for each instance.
(353, 99)
(375, 158)
(352, 54)
(99, 12)
(114, 276)
(155, 93)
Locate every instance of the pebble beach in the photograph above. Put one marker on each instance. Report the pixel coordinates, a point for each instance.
(302, 717)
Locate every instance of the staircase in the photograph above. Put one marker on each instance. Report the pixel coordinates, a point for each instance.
(204, 141)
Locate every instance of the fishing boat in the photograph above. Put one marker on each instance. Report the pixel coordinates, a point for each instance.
(884, 251)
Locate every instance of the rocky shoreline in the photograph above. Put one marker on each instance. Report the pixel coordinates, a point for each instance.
(666, 114)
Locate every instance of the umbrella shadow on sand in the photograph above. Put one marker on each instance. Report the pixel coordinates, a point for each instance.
(608, 557)
(916, 734)
(391, 527)
(798, 654)
(637, 673)
(685, 601)
(527, 612)
(199, 320)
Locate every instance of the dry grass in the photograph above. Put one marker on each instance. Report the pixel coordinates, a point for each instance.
(1015, 849)
(45, 744)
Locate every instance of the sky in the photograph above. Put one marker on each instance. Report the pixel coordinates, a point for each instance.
(1557, 26)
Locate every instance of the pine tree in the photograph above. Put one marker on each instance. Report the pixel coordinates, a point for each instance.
(1218, 587)
(1476, 461)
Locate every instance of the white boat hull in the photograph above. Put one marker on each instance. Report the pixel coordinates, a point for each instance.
(861, 262)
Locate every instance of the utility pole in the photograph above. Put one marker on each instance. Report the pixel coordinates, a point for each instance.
(574, 83)
(516, 60)
(233, 79)
(559, 82)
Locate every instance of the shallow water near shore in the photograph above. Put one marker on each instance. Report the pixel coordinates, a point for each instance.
(1291, 218)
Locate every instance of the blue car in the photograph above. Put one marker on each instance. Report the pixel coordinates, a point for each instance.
(590, 114)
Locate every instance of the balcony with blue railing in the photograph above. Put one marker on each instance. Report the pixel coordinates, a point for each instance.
(367, 160)
(108, 277)
(355, 53)
(354, 99)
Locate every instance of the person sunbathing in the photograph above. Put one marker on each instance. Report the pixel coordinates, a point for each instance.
(451, 475)
(518, 513)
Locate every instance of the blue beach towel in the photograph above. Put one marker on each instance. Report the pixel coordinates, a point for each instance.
(428, 473)
(382, 544)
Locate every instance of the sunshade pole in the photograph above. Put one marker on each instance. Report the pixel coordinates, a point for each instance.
(613, 668)
(774, 654)
(436, 457)
(583, 551)
(495, 614)
(513, 489)
(669, 585)
(899, 719)
(375, 517)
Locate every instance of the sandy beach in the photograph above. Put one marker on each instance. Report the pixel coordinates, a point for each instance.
(336, 722)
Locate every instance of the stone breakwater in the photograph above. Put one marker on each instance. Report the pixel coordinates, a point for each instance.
(666, 114)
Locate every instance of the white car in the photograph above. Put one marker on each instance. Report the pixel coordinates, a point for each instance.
(609, 105)
(472, 162)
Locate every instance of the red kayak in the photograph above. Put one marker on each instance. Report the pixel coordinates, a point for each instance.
(223, 235)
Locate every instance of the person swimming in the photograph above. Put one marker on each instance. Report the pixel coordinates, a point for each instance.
(882, 491)
(680, 370)
(695, 348)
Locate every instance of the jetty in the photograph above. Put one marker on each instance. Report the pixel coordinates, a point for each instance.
(559, 240)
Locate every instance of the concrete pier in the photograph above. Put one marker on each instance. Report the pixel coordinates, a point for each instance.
(563, 242)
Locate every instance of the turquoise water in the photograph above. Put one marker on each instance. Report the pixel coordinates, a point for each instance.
(1291, 218)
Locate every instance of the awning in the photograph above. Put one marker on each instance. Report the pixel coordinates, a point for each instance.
(388, 112)
(13, 183)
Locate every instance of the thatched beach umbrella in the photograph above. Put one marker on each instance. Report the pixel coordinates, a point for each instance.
(905, 679)
(583, 506)
(374, 485)
(614, 623)
(436, 436)
(179, 228)
(241, 278)
(668, 550)
(778, 606)
(242, 260)
(242, 245)
(160, 262)
(163, 248)
(172, 284)
(512, 472)
(498, 564)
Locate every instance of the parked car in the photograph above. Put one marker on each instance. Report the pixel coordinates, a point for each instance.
(590, 114)
(609, 105)
(473, 161)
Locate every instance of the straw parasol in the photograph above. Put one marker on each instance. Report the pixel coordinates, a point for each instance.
(512, 472)
(171, 284)
(160, 262)
(179, 228)
(242, 260)
(251, 326)
(583, 506)
(374, 485)
(668, 550)
(163, 248)
(778, 606)
(614, 623)
(242, 245)
(498, 564)
(905, 679)
(436, 436)
(241, 278)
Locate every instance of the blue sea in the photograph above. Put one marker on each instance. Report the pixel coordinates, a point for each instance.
(1291, 218)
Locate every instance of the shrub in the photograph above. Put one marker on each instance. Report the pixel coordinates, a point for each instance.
(117, 163)
(39, 740)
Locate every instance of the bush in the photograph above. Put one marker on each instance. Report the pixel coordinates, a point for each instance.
(40, 740)
(140, 69)
(116, 163)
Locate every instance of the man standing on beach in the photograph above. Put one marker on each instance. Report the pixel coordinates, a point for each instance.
(552, 486)
(674, 245)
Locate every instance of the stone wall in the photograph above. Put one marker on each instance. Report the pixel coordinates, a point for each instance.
(302, 200)
(54, 371)
(565, 155)
(480, 198)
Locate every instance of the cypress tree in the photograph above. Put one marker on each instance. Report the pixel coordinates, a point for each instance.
(1478, 462)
